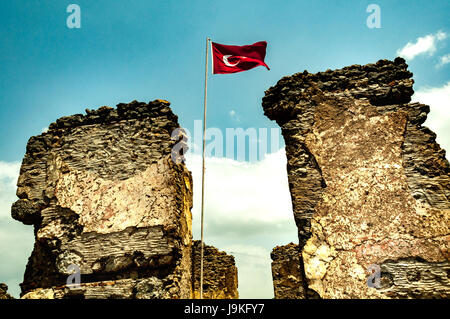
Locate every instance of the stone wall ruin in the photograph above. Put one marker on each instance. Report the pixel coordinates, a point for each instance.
(104, 194)
(369, 184)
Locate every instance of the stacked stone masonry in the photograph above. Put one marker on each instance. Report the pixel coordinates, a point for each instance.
(219, 272)
(370, 186)
(4, 292)
(104, 194)
(287, 276)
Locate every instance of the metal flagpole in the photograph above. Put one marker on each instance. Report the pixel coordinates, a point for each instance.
(203, 167)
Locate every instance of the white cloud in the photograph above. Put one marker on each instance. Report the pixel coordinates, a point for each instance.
(248, 211)
(441, 35)
(425, 44)
(234, 115)
(16, 239)
(438, 98)
(254, 270)
(9, 172)
(443, 60)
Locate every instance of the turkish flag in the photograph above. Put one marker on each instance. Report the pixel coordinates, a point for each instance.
(234, 58)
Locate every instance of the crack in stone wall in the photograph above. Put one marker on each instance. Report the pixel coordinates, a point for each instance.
(368, 182)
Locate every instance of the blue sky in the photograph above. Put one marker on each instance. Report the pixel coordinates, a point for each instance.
(143, 50)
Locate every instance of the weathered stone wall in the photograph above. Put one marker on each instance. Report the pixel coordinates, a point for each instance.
(220, 276)
(286, 273)
(369, 184)
(103, 193)
(3, 292)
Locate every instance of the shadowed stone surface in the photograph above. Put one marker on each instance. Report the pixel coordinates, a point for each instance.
(369, 184)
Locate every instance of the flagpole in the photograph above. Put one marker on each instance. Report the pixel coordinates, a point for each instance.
(203, 167)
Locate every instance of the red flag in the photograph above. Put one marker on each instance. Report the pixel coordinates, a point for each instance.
(234, 58)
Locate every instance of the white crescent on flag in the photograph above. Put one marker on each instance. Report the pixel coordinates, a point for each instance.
(227, 63)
